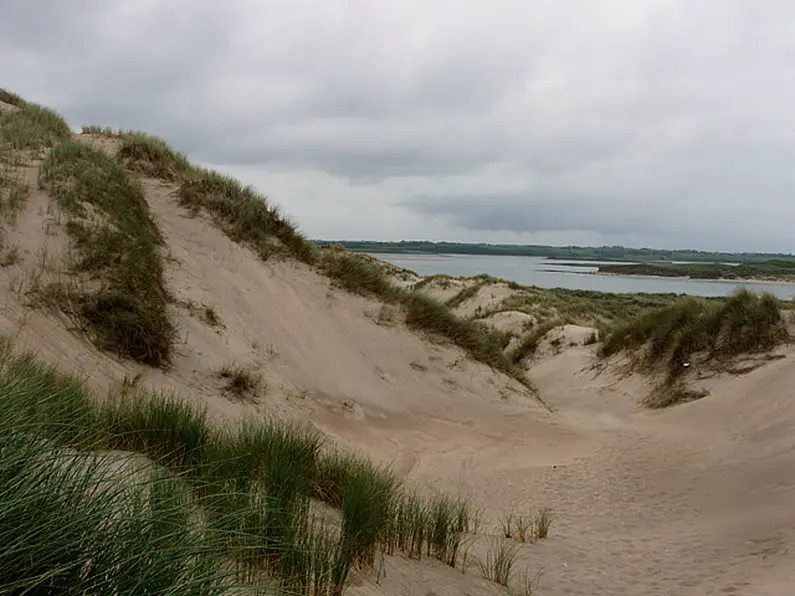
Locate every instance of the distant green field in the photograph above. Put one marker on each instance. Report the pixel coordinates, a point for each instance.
(775, 269)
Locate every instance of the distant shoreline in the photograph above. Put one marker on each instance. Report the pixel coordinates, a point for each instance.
(779, 282)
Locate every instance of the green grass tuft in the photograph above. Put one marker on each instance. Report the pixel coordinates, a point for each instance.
(169, 431)
(118, 244)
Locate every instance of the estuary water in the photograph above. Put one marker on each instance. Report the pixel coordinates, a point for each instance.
(551, 273)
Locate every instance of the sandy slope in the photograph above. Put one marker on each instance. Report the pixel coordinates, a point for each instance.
(696, 500)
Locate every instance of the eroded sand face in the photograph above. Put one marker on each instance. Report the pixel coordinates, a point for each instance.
(694, 500)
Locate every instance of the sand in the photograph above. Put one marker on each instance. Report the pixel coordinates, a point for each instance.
(691, 501)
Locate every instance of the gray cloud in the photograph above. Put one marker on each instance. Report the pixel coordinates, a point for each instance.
(664, 122)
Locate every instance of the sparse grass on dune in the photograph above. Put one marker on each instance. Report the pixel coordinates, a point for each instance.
(152, 156)
(227, 500)
(27, 130)
(11, 98)
(581, 307)
(32, 127)
(530, 342)
(465, 294)
(670, 337)
(363, 275)
(483, 345)
(497, 564)
(358, 274)
(246, 217)
(244, 214)
(118, 244)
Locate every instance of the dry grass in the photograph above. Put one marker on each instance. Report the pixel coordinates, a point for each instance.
(242, 381)
(244, 215)
(118, 249)
(497, 564)
(671, 393)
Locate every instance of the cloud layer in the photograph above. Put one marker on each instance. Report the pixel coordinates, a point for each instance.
(659, 123)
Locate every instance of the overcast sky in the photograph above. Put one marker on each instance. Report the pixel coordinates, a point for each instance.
(664, 123)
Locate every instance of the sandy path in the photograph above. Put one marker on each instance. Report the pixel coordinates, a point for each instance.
(645, 503)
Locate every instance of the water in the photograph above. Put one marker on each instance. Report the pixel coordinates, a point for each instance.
(550, 273)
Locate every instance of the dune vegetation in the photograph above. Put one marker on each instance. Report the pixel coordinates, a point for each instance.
(118, 248)
(195, 508)
(142, 493)
(247, 217)
(697, 331)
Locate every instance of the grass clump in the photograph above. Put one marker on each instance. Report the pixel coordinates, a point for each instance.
(542, 523)
(210, 506)
(671, 336)
(167, 430)
(358, 274)
(32, 127)
(497, 565)
(529, 344)
(670, 393)
(72, 524)
(152, 156)
(244, 215)
(464, 295)
(119, 247)
(241, 381)
(11, 98)
(483, 345)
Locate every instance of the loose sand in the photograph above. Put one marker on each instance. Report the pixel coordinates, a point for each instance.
(692, 501)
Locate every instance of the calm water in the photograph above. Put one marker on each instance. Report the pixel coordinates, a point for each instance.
(549, 273)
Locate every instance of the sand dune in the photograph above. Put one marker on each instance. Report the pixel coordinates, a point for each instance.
(694, 500)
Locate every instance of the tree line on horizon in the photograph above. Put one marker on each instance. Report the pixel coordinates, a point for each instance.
(601, 253)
